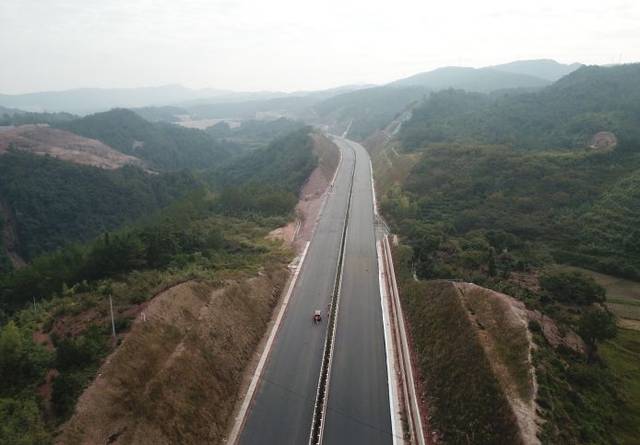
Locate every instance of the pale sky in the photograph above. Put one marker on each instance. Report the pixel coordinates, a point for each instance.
(289, 45)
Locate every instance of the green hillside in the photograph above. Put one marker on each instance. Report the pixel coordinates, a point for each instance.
(252, 134)
(504, 193)
(612, 224)
(207, 238)
(16, 117)
(368, 109)
(525, 202)
(165, 146)
(56, 202)
(565, 114)
(266, 180)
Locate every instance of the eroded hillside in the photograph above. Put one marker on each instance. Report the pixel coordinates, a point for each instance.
(176, 376)
(63, 145)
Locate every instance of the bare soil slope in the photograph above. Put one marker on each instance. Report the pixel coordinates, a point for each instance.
(298, 232)
(43, 140)
(502, 327)
(176, 376)
(474, 352)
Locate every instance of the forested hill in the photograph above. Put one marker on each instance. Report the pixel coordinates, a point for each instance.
(165, 146)
(266, 180)
(286, 162)
(566, 114)
(211, 238)
(57, 202)
(367, 110)
(508, 192)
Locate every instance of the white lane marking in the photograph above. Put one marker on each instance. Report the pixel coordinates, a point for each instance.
(336, 302)
(373, 190)
(415, 407)
(240, 419)
(325, 404)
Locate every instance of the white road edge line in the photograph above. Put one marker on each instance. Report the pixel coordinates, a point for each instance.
(240, 419)
(248, 398)
(414, 414)
(373, 190)
(394, 402)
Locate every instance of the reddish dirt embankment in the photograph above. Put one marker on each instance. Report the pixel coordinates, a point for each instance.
(298, 232)
(43, 140)
(176, 376)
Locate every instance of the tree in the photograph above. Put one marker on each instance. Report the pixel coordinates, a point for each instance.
(21, 424)
(596, 325)
(21, 359)
(571, 286)
(492, 262)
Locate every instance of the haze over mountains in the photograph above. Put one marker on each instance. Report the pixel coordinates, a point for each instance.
(179, 201)
(519, 74)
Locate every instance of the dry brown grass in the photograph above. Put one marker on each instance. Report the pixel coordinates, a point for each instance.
(502, 326)
(175, 378)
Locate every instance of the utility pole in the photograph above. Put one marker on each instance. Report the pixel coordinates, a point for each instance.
(113, 323)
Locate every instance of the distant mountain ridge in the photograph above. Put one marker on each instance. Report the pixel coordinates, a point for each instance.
(91, 100)
(87, 100)
(481, 80)
(519, 74)
(547, 69)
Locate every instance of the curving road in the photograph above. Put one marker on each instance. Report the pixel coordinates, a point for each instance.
(358, 401)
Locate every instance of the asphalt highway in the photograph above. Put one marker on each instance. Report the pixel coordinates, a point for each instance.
(282, 409)
(358, 410)
(358, 401)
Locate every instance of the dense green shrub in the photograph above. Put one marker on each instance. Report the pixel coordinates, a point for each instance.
(80, 351)
(22, 362)
(21, 423)
(573, 287)
(56, 202)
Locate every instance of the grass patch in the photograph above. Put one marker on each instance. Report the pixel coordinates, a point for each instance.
(507, 339)
(623, 296)
(579, 401)
(466, 402)
(622, 355)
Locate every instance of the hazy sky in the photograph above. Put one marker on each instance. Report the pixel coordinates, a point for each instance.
(294, 44)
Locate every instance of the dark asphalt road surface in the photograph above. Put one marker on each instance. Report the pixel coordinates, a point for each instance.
(358, 409)
(283, 405)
